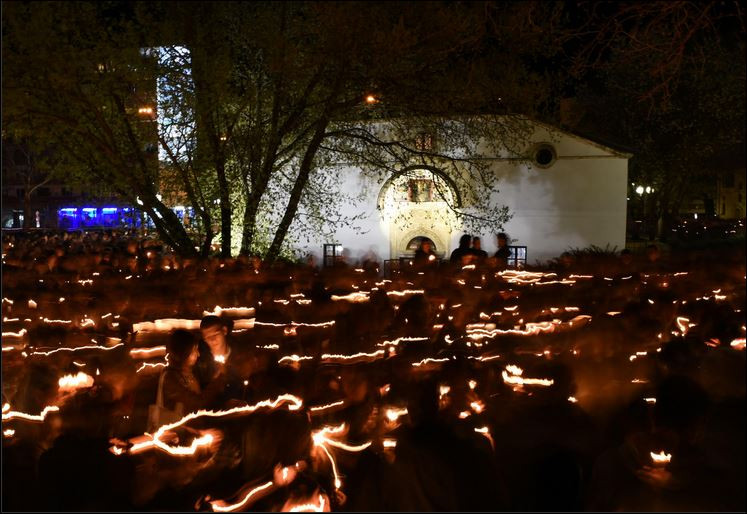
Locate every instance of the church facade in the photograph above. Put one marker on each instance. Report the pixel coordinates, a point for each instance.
(568, 192)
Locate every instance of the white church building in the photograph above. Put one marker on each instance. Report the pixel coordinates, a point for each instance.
(568, 192)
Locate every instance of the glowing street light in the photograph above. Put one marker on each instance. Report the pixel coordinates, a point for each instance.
(639, 190)
(371, 99)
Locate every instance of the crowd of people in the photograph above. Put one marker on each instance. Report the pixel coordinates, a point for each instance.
(134, 379)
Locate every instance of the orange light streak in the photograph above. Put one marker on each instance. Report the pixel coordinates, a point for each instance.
(20, 333)
(395, 342)
(486, 432)
(361, 355)
(156, 442)
(144, 353)
(11, 414)
(166, 325)
(146, 365)
(682, 324)
(356, 297)
(320, 506)
(322, 408)
(294, 358)
(405, 292)
(79, 348)
(221, 506)
(512, 375)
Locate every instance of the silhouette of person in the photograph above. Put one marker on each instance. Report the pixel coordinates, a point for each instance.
(424, 255)
(503, 253)
(477, 250)
(458, 255)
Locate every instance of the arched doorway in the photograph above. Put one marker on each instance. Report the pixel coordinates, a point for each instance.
(418, 203)
(416, 241)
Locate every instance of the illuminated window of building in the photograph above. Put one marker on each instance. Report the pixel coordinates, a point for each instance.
(420, 190)
(424, 142)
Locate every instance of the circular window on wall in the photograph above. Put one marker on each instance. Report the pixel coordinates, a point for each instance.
(543, 155)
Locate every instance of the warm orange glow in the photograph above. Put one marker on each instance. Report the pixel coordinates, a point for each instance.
(20, 333)
(79, 348)
(370, 99)
(141, 353)
(10, 414)
(238, 311)
(354, 357)
(321, 505)
(322, 408)
(155, 441)
(430, 360)
(72, 382)
(222, 506)
(683, 324)
(393, 414)
(661, 457)
(512, 375)
(486, 432)
(357, 297)
(395, 342)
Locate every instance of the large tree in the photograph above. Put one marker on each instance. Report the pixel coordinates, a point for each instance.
(77, 71)
(261, 101)
(668, 82)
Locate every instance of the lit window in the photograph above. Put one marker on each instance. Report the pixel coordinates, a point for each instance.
(424, 142)
(420, 190)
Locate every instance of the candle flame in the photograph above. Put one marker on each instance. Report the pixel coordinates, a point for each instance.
(661, 457)
(73, 382)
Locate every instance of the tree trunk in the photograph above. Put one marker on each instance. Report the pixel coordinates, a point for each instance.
(225, 210)
(250, 219)
(171, 230)
(296, 192)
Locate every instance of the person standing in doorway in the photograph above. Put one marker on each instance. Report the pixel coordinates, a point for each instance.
(477, 251)
(504, 252)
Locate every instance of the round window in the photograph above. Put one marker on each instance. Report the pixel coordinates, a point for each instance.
(544, 155)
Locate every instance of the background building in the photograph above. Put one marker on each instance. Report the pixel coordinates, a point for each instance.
(570, 193)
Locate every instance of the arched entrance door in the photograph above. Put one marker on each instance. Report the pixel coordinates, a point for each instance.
(418, 203)
(416, 241)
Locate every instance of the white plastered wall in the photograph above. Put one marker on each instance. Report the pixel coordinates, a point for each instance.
(578, 201)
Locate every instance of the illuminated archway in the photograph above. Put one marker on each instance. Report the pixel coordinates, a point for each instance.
(419, 201)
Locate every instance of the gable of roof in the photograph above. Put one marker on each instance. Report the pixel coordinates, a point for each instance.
(618, 150)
